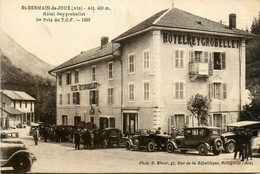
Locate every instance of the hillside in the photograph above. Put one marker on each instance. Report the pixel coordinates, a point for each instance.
(22, 59)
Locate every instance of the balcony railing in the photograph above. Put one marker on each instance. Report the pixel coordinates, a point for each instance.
(200, 69)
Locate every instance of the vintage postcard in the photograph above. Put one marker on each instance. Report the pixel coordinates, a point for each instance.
(130, 86)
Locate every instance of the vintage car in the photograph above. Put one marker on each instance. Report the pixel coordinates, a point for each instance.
(204, 139)
(255, 142)
(229, 136)
(110, 137)
(149, 141)
(15, 154)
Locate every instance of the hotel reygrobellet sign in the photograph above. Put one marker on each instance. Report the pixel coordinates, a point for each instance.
(80, 87)
(192, 40)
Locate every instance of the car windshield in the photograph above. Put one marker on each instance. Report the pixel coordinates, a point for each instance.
(215, 131)
(113, 132)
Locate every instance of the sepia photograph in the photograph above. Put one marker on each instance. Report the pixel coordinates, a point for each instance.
(130, 86)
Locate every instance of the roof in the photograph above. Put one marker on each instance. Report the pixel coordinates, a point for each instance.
(11, 110)
(179, 19)
(244, 123)
(17, 95)
(204, 127)
(90, 55)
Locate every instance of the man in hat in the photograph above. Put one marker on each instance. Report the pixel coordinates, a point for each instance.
(77, 139)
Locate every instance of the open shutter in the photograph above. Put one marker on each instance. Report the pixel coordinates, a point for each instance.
(90, 98)
(176, 90)
(192, 56)
(181, 59)
(210, 64)
(78, 97)
(211, 91)
(224, 121)
(96, 97)
(221, 91)
(224, 86)
(206, 57)
(177, 57)
(223, 60)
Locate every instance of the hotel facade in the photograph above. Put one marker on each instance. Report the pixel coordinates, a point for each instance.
(144, 78)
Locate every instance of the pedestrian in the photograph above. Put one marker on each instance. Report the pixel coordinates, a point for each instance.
(84, 138)
(88, 139)
(174, 133)
(77, 140)
(45, 134)
(238, 144)
(36, 136)
(248, 144)
(158, 131)
(243, 145)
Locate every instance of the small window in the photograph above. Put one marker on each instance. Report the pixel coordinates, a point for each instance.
(219, 61)
(179, 57)
(179, 90)
(64, 120)
(93, 97)
(93, 73)
(77, 76)
(146, 91)
(68, 102)
(131, 92)
(146, 59)
(218, 91)
(131, 63)
(110, 95)
(68, 78)
(60, 99)
(112, 122)
(198, 56)
(110, 70)
(76, 98)
(60, 79)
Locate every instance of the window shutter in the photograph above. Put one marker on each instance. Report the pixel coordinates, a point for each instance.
(78, 98)
(96, 96)
(224, 120)
(90, 97)
(181, 59)
(187, 120)
(211, 91)
(191, 56)
(223, 60)
(177, 90)
(177, 56)
(221, 91)
(224, 91)
(210, 63)
(210, 120)
(206, 57)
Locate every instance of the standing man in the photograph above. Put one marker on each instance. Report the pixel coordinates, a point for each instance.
(36, 136)
(77, 139)
(158, 131)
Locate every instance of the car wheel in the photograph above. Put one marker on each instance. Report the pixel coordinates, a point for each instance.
(127, 145)
(203, 149)
(22, 164)
(216, 152)
(230, 147)
(170, 148)
(183, 151)
(151, 146)
(105, 144)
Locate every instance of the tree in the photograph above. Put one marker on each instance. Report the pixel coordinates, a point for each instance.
(199, 106)
(252, 111)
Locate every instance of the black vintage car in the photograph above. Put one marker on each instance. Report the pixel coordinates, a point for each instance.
(229, 136)
(204, 139)
(15, 154)
(149, 141)
(109, 137)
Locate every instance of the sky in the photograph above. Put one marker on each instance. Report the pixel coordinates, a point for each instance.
(57, 42)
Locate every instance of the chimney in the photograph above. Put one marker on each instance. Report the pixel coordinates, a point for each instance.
(232, 21)
(104, 41)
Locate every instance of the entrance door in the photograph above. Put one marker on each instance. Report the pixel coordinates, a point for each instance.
(130, 123)
(77, 120)
(103, 123)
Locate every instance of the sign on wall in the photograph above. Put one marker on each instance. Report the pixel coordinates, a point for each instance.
(84, 86)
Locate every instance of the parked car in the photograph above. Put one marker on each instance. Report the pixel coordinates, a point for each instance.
(204, 139)
(228, 138)
(255, 142)
(15, 154)
(149, 141)
(110, 137)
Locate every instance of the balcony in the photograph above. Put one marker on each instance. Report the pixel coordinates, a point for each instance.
(200, 70)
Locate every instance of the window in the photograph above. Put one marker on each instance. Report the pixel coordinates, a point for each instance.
(76, 98)
(217, 120)
(68, 102)
(93, 97)
(64, 120)
(110, 70)
(93, 73)
(131, 63)
(112, 122)
(131, 92)
(198, 56)
(110, 95)
(60, 99)
(179, 90)
(179, 57)
(77, 76)
(218, 91)
(68, 78)
(146, 91)
(146, 59)
(60, 79)
(219, 61)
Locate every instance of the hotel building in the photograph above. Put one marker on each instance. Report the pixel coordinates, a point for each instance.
(145, 76)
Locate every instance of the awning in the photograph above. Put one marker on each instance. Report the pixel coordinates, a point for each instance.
(12, 111)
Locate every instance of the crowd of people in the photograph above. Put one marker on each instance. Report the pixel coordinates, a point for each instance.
(243, 144)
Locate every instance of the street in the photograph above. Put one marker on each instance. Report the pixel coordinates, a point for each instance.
(63, 158)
